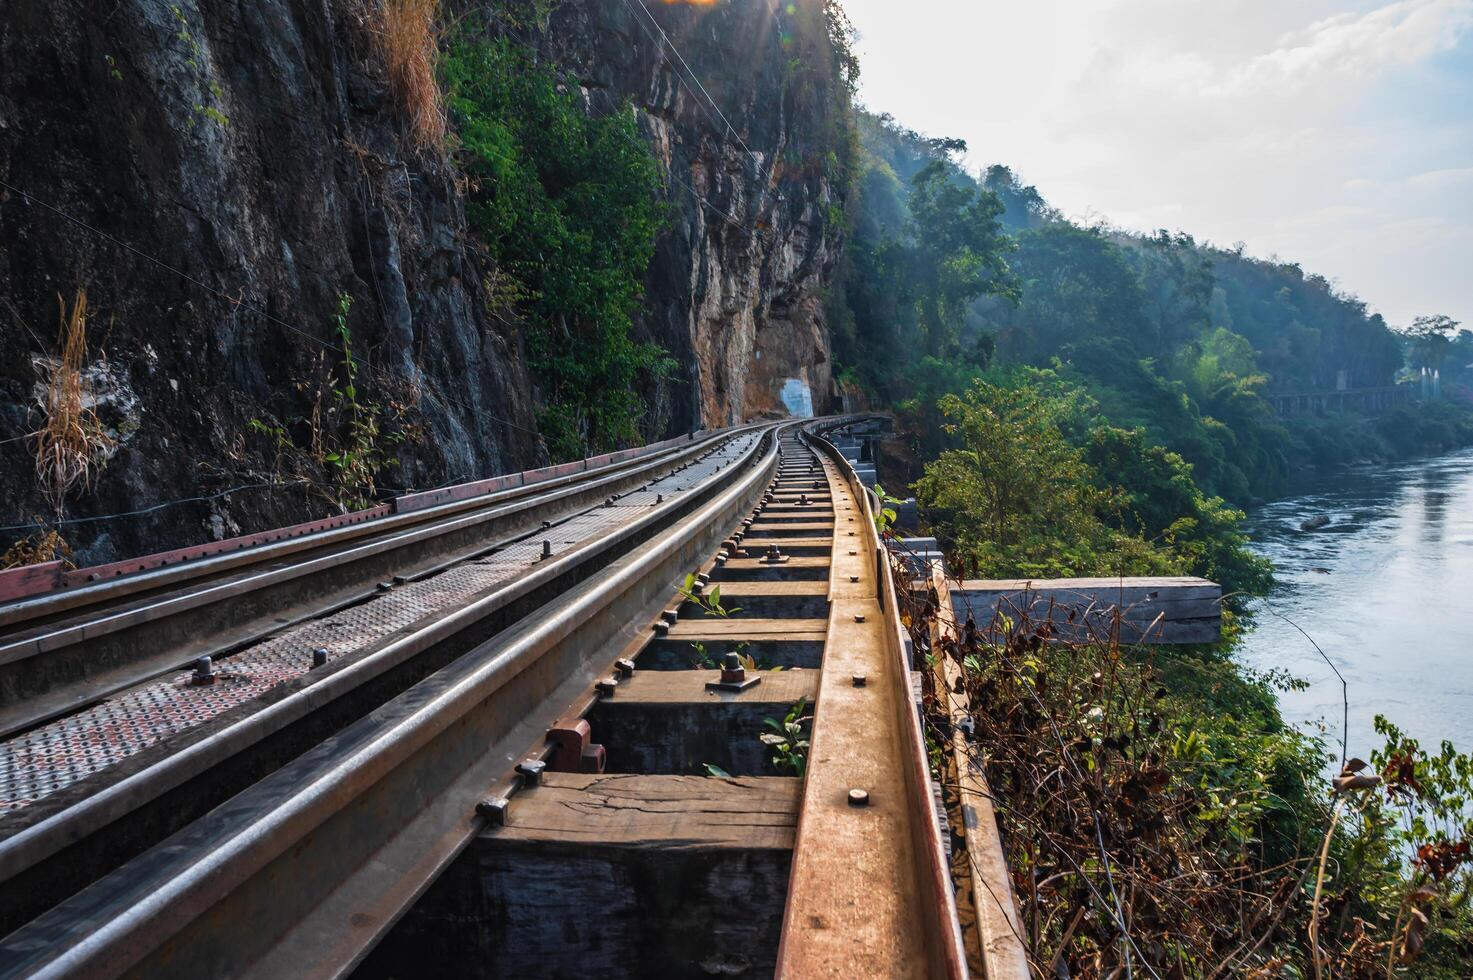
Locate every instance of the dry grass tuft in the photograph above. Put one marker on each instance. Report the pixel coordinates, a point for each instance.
(35, 549)
(410, 41)
(71, 443)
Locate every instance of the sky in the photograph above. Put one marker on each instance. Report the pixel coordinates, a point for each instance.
(1331, 133)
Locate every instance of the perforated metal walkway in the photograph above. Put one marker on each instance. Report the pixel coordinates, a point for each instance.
(51, 757)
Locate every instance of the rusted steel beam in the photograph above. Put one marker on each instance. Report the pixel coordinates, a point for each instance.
(991, 927)
(28, 580)
(1134, 610)
(869, 895)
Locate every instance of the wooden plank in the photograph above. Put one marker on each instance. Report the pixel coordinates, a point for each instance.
(794, 561)
(668, 721)
(638, 810)
(760, 526)
(679, 687)
(739, 628)
(1151, 609)
(785, 542)
(759, 588)
(610, 876)
(984, 884)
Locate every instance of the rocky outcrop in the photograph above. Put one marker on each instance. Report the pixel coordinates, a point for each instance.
(217, 173)
(740, 100)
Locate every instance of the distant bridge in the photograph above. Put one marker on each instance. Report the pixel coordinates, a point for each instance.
(1368, 401)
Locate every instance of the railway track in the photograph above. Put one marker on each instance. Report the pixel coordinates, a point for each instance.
(510, 764)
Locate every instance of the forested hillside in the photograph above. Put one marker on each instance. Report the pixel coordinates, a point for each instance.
(1176, 337)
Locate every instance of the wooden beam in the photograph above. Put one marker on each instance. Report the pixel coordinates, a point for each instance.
(611, 876)
(668, 722)
(1150, 609)
(992, 929)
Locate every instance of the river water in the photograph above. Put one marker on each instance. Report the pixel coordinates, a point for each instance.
(1385, 590)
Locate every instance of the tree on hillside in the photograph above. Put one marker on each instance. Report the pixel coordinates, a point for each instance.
(1078, 286)
(1177, 284)
(1023, 206)
(1432, 339)
(958, 253)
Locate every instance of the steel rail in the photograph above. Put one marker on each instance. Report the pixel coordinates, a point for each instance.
(56, 669)
(322, 855)
(318, 694)
(86, 586)
(870, 892)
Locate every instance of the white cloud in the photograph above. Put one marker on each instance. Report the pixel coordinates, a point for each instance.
(1296, 127)
(1352, 45)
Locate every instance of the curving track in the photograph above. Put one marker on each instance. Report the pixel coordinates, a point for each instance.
(287, 819)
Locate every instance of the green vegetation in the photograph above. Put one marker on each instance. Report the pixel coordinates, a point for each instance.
(1038, 485)
(344, 443)
(565, 204)
(1179, 339)
(788, 739)
(1165, 794)
(1083, 401)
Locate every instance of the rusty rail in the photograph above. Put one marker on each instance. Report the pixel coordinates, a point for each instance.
(869, 894)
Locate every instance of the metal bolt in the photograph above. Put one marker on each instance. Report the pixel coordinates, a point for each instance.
(659, 498)
(859, 680)
(400, 579)
(493, 810)
(204, 672)
(858, 797)
(385, 586)
(859, 617)
(624, 666)
(546, 549)
(531, 771)
(854, 578)
(670, 616)
(607, 686)
(319, 657)
(546, 524)
(854, 552)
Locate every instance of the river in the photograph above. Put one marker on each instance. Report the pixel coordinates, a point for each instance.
(1385, 590)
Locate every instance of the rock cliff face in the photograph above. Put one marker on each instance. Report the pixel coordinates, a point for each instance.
(217, 173)
(738, 99)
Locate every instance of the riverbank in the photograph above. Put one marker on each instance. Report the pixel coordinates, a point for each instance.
(1325, 445)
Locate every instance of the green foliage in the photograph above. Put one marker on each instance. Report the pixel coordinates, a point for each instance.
(349, 441)
(566, 206)
(957, 253)
(788, 739)
(1036, 484)
(710, 602)
(1176, 767)
(923, 245)
(1156, 499)
(1175, 337)
(885, 516)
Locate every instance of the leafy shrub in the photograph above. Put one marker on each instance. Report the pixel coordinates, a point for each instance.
(565, 204)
